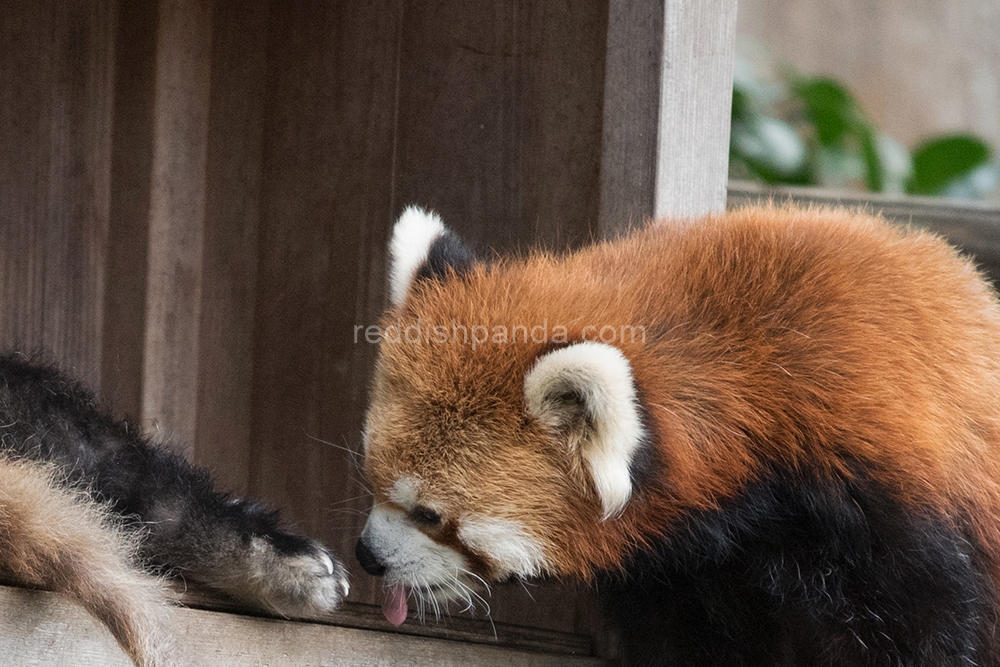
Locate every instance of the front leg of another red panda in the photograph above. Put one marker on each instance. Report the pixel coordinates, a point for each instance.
(230, 544)
(183, 525)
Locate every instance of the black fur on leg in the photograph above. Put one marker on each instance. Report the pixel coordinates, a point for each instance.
(189, 528)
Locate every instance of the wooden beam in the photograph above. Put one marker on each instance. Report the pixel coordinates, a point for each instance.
(667, 103)
(229, 248)
(45, 630)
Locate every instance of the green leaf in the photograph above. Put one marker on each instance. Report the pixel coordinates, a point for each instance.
(742, 105)
(830, 108)
(874, 172)
(938, 163)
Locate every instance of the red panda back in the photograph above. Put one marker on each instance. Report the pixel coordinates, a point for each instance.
(813, 333)
(823, 337)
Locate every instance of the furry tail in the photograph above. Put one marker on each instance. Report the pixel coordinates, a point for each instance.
(57, 538)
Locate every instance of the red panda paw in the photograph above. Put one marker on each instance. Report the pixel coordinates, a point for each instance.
(295, 579)
(295, 584)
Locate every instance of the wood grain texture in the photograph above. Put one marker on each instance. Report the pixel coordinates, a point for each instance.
(631, 113)
(55, 135)
(25, 129)
(918, 68)
(128, 227)
(696, 90)
(500, 118)
(42, 629)
(177, 219)
(667, 100)
(229, 244)
(79, 183)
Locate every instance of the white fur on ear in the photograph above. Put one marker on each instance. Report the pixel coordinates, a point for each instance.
(592, 382)
(412, 237)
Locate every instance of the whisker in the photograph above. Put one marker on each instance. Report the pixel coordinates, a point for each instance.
(345, 448)
(521, 581)
(351, 500)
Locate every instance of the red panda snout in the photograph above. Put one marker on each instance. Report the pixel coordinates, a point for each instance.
(437, 558)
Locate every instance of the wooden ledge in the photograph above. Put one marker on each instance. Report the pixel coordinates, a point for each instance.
(972, 226)
(42, 629)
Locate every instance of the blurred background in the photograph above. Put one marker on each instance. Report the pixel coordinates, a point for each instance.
(883, 95)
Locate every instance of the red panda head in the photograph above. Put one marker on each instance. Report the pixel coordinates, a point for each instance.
(488, 458)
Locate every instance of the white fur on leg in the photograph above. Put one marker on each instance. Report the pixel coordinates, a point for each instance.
(291, 585)
(412, 237)
(600, 377)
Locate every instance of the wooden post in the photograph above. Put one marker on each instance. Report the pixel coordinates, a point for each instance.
(667, 102)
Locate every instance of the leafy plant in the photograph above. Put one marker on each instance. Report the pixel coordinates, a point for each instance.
(957, 166)
(811, 131)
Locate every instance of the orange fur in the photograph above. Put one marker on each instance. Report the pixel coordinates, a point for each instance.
(761, 325)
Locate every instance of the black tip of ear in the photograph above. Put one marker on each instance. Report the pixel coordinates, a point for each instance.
(447, 253)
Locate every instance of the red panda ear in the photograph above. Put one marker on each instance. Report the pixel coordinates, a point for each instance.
(422, 248)
(586, 391)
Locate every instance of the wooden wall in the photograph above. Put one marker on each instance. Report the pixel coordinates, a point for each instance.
(919, 67)
(195, 198)
(56, 97)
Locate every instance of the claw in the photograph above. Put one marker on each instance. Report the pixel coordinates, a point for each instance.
(328, 562)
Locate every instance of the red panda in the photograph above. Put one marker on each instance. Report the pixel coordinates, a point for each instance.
(768, 437)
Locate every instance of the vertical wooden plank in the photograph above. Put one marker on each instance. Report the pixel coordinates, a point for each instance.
(500, 118)
(666, 154)
(55, 95)
(631, 113)
(128, 228)
(176, 218)
(696, 92)
(229, 255)
(25, 128)
(78, 184)
(325, 212)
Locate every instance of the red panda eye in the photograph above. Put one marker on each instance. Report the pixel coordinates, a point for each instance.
(425, 516)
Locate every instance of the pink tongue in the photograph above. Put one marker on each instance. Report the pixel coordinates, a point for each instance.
(394, 604)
